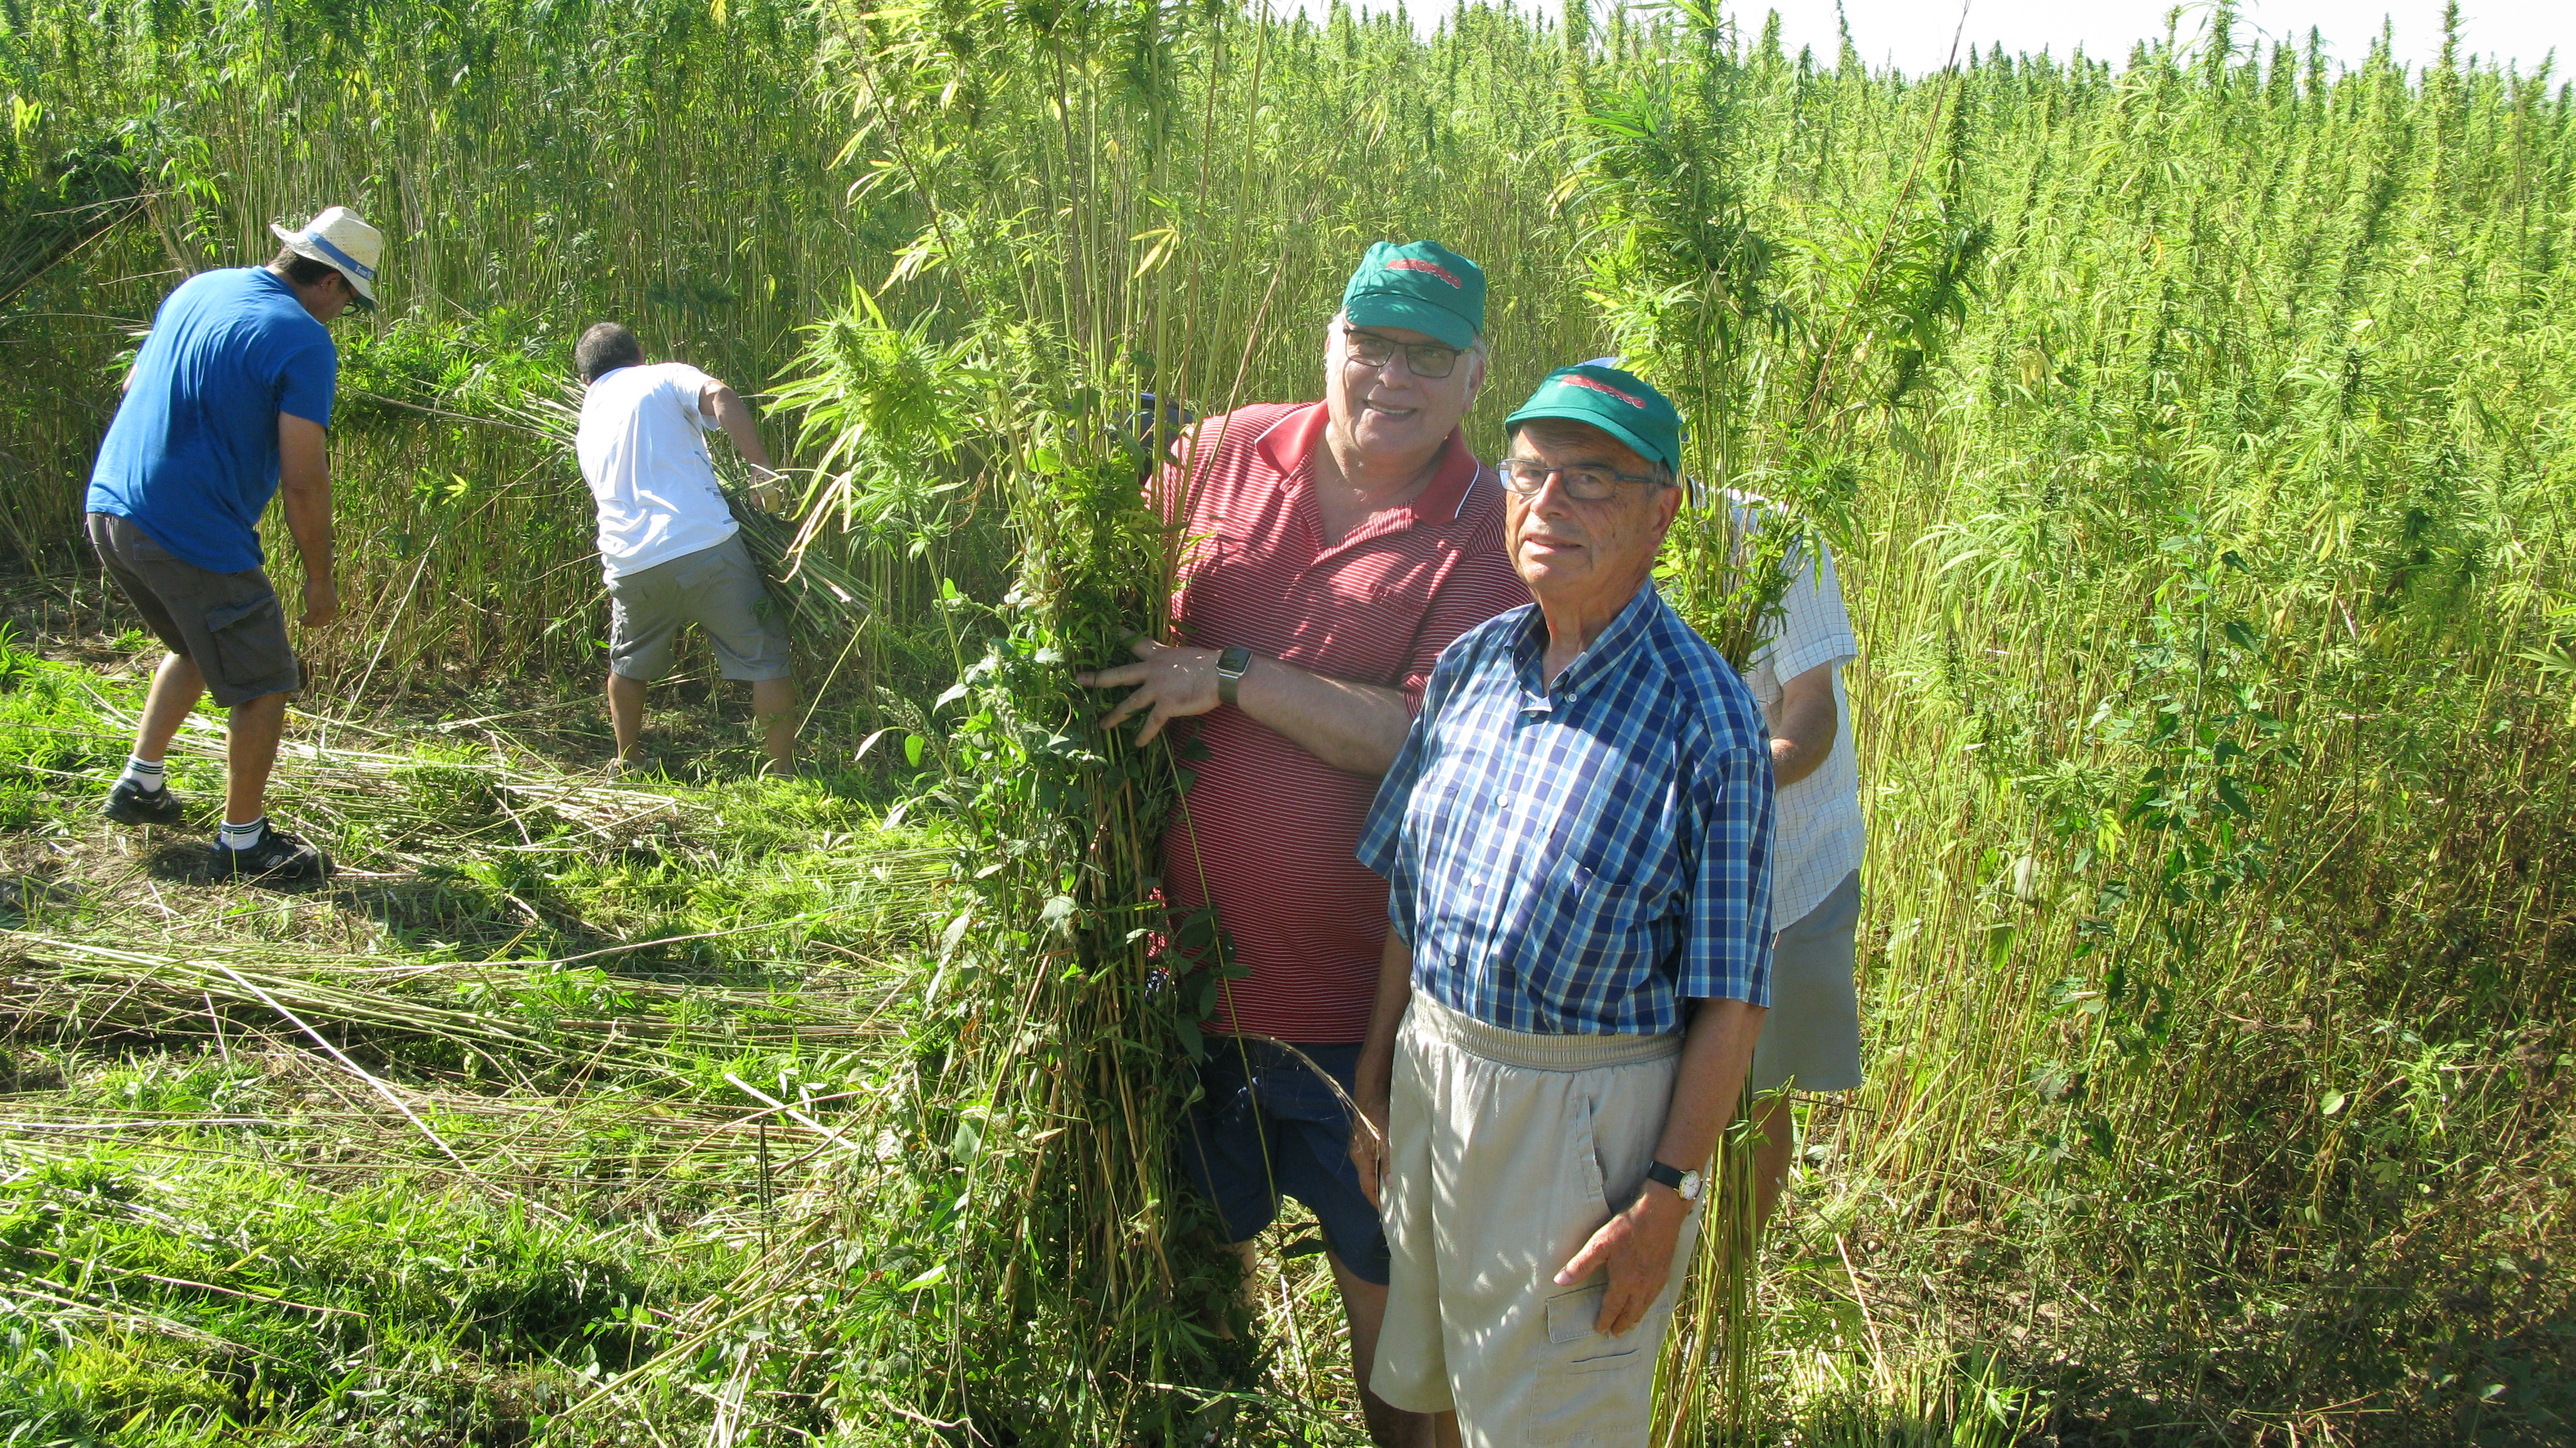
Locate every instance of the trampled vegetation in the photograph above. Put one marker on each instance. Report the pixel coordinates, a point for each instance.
(2194, 428)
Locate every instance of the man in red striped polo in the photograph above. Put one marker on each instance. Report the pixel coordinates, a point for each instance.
(1334, 549)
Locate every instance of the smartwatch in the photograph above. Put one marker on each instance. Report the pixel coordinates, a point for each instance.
(1230, 667)
(1687, 1183)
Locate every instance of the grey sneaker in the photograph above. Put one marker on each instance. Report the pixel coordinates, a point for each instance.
(131, 804)
(277, 856)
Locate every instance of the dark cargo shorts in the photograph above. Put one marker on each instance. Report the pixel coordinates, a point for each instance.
(1270, 1127)
(229, 624)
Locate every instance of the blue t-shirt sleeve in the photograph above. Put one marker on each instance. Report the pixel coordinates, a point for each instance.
(307, 380)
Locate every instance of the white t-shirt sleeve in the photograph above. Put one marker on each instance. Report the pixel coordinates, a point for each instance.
(1817, 830)
(688, 386)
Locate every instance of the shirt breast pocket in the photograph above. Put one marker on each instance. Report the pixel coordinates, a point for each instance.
(1609, 923)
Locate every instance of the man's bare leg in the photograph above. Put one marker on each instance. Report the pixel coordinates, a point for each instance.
(250, 751)
(176, 688)
(1248, 1290)
(773, 704)
(1364, 1308)
(625, 714)
(1779, 1130)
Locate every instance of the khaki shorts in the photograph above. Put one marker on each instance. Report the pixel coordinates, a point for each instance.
(1506, 1152)
(1811, 1035)
(715, 588)
(230, 625)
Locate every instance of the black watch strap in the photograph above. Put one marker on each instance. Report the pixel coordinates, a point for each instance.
(1230, 668)
(1670, 1176)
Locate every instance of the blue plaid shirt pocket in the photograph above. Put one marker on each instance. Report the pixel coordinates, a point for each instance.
(1597, 904)
(1604, 928)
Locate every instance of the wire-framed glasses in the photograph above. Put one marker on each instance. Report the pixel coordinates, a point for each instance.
(1526, 476)
(1430, 361)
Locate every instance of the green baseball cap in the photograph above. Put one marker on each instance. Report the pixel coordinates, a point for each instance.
(1619, 403)
(1421, 286)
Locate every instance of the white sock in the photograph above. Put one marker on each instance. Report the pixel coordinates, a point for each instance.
(242, 837)
(146, 775)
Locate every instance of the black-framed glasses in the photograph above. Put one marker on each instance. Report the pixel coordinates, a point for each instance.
(1430, 361)
(1527, 476)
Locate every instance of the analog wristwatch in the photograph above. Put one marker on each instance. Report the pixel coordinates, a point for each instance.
(1230, 668)
(1687, 1183)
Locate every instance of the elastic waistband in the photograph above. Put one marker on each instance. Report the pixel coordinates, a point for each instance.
(1535, 1052)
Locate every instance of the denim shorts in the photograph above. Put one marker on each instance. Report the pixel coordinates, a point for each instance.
(1269, 1127)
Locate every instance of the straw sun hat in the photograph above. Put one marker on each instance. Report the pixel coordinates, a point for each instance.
(339, 240)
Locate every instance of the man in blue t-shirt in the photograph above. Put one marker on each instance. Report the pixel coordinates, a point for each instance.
(228, 400)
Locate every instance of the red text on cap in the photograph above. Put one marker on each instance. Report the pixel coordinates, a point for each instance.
(1577, 379)
(1409, 263)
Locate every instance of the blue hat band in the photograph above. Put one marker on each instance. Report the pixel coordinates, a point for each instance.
(336, 256)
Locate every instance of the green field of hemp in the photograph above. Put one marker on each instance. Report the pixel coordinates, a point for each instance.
(2196, 428)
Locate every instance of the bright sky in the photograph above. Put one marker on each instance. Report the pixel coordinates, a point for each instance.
(1916, 34)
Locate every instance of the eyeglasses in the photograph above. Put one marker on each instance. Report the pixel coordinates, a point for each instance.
(1527, 476)
(1430, 361)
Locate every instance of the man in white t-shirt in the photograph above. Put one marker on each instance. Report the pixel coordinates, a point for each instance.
(1811, 1039)
(668, 542)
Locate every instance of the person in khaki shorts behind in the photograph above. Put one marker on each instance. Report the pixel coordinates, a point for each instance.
(1811, 1037)
(669, 546)
(1576, 839)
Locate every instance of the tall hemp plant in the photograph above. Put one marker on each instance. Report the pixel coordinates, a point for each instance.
(1775, 363)
(1102, 277)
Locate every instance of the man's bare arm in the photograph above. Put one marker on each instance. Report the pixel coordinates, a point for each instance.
(1715, 1056)
(1372, 1082)
(1350, 726)
(731, 413)
(1353, 727)
(1637, 1245)
(304, 487)
(1803, 735)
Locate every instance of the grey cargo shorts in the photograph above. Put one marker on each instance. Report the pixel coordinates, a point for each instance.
(715, 588)
(1811, 1038)
(230, 625)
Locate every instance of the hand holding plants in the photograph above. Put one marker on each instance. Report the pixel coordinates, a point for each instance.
(1173, 682)
(1637, 1246)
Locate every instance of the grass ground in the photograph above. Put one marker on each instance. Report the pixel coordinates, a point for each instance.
(592, 1110)
(420, 1154)
(552, 1083)
(556, 1081)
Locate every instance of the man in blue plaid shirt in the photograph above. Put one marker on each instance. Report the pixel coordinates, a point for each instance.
(1577, 838)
